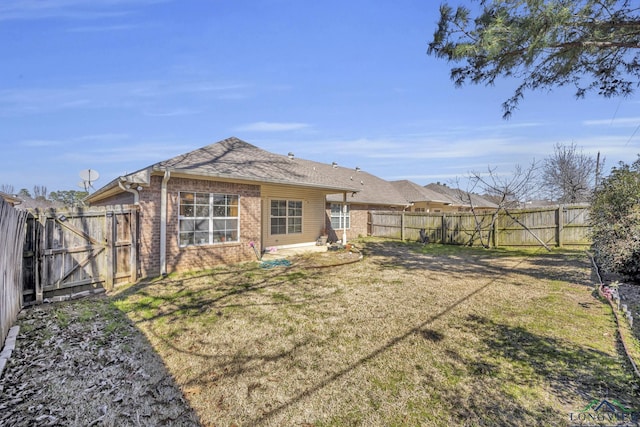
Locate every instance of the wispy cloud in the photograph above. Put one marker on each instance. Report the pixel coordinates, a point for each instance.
(429, 147)
(68, 9)
(130, 155)
(272, 127)
(103, 28)
(618, 122)
(39, 143)
(144, 95)
(171, 113)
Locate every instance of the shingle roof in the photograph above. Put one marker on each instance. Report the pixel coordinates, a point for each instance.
(9, 198)
(235, 159)
(416, 193)
(372, 190)
(461, 197)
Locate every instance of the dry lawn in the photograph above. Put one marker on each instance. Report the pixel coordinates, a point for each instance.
(411, 335)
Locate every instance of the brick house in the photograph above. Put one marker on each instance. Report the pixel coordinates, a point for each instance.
(204, 207)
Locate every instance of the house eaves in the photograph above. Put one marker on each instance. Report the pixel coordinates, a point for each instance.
(199, 174)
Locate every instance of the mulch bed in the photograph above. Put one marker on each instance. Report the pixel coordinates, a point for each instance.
(83, 363)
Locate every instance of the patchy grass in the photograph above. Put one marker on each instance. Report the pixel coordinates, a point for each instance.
(411, 335)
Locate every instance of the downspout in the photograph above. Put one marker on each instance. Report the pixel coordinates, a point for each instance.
(163, 223)
(344, 218)
(130, 189)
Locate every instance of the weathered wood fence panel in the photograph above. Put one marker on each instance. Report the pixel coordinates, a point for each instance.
(574, 226)
(559, 226)
(413, 222)
(79, 251)
(386, 224)
(511, 231)
(461, 228)
(12, 231)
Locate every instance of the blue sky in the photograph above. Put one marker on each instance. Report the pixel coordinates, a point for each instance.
(116, 85)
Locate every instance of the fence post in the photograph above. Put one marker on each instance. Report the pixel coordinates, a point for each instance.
(133, 232)
(560, 221)
(402, 226)
(43, 279)
(443, 230)
(110, 236)
(495, 232)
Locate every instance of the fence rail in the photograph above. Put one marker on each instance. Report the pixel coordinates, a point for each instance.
(12, 240)
(560, 226)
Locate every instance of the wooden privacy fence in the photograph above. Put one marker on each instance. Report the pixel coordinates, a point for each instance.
(12, 239)
(70, 252)
(558, 226)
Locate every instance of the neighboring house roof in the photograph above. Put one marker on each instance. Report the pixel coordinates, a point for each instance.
(461, 197)
(234, 159)
(12, 200)
(29, 203)
(25, 203)
(372, 190)
(416, 193)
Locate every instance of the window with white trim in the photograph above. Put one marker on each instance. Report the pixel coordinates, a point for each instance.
(208, 218)
(286, 216)
(339, 219)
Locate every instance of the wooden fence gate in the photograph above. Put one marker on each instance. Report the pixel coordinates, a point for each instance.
(70, 252)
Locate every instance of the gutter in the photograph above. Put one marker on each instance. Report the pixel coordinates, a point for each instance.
(343, 218)
(163, 223)
(126, 186)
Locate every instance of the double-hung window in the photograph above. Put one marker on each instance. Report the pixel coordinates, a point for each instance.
(340, 219)
(208, 218)
(286, 216)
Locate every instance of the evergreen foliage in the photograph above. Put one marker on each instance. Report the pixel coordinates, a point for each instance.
(69, 197)
(615, 220)
(591, 44)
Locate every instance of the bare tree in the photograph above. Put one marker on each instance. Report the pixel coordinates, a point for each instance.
(7, 189)
(568, 175)
(39, 192)
(506, 191)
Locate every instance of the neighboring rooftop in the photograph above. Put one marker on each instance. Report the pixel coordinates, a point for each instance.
(24, 203)
(9, 198)
(416, 193)
(460, 197)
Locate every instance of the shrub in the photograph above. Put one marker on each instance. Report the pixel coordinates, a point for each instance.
(615, 221)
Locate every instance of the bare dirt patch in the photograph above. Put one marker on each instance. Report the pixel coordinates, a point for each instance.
(83, 363)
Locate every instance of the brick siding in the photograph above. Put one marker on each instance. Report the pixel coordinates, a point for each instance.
(191, 257)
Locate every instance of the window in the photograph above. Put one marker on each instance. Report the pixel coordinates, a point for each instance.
(207, 218)
(340, 220)
(286, 216)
